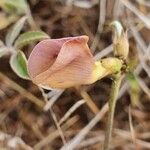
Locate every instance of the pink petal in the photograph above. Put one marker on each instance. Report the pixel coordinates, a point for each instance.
(73, 65)
(44, 55)
(78, 72)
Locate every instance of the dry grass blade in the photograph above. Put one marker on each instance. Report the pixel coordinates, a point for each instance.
(52, 136)
(141, 45)
(141, 16)
(90, 141)
(88, 100)
(10, 106)
(103, 53)
(126, 135)
(102, 15)
(52, 93)
(148, 52)
(27, 121)
(54, 117)
(144, 2)
(22, 91)
(52, 100)
(2, 93)
(71, 110)
(132, 129)
(143, 86)
(58, 126)
(138, 38)
(117, 9)
(81, 135)
(13, 142)
(144, 65)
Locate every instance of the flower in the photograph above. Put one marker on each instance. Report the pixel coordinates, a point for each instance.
(64, 63)
(61, 63)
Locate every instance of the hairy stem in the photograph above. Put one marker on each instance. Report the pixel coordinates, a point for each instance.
(112, 104)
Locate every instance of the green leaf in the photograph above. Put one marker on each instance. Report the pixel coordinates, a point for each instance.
(18, 63)
(134, 89)
(18, 6)
(29, 37)
(14, 31)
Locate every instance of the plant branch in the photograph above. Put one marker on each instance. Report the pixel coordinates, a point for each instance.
(112, 104)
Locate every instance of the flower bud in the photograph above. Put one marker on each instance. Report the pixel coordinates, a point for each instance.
(120, 41)
(112, 65)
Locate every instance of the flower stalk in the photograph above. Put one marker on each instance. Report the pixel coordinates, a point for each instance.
(112, 105)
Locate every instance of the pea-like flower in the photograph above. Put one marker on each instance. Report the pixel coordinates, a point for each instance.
(64, 63)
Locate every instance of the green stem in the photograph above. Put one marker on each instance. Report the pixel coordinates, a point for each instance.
(112, 104)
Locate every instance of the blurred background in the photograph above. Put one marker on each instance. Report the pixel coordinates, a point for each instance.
(28, 122)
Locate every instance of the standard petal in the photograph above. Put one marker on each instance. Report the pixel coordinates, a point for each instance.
(43, 55)
(71, 49)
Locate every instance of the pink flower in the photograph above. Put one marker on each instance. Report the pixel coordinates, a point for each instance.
(61, 63)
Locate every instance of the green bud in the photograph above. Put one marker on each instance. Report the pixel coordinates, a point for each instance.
(112, 65)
